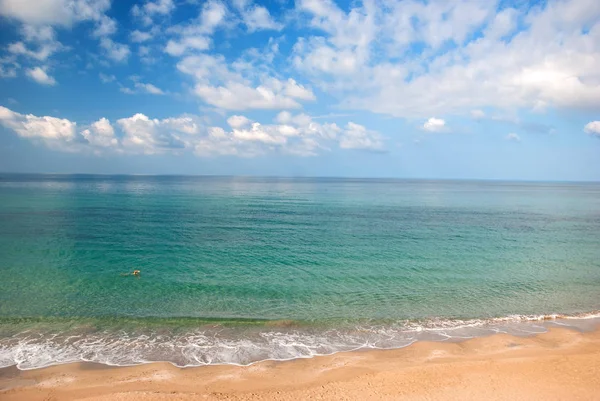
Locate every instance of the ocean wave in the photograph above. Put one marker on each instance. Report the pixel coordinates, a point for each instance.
(241, 345)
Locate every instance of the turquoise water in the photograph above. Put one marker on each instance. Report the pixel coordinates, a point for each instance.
(236, 270)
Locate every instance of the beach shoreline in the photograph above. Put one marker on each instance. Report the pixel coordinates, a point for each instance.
(559, 364)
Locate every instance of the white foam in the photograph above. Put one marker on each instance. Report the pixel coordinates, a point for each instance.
(217, 346)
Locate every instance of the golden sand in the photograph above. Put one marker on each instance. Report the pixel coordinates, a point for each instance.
(559, 365)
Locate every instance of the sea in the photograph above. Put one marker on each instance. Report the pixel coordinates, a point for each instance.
(236, 270)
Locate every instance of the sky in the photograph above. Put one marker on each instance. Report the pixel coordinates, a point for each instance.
(383, 88)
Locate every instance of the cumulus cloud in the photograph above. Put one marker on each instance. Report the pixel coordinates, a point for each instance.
(435, 125)
(38, 43)
(256, 17)
(147, 11)
(138, 36)
(105, 26)
(141, 87)
(42, 53)
(220, 86)
(150, 136)
(39, 75)
(237, 96)
(8, 67)
(513, 137)
(106, 78)
(56, 133)
(139, 134)
(386, 58)
(101, 133)
(196, 35)
(54, 12)
(356, 136)
(116, 51)
(178, 47)
(477, 114)
(238, 121)
(592, 128)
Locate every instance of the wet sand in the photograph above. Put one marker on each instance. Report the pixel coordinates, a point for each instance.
(559, 365)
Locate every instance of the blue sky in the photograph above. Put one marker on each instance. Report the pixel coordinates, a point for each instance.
(412, 88)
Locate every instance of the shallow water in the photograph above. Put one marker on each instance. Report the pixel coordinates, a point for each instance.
(236, 270)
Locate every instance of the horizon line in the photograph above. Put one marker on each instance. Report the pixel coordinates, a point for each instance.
(299, 176)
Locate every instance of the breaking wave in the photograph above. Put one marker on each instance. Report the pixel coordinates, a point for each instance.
(28, 345)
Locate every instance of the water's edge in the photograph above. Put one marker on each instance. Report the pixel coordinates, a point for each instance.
(244, 343)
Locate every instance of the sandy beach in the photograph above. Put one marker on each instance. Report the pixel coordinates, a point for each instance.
(558, 365)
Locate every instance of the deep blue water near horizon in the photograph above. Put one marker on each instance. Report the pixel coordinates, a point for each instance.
(240, 269)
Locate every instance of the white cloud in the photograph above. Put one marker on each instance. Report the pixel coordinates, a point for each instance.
(140, 87)
(592, 128)
(149, 88)
(196, 35)
(54, 12)
(116, 51)
(56, 133)
(238, 121)
(101, 134)
(294, 90)
(213, 15)
(43, 40)
(177, 48)
(8, 67)
(106, 26)
(503, 24)
(43, 52)
(138, 36)
(106, 78)
(434, 125)
(39, 75)
(477, 114)
(150, 9)
(151, 136)
(257, 17)
(38, 33)
(513, 137)
(162, 7)
(220, 86)
(140, 134)
(386, 58)
(236, 96)
(356, 136)
(127, 91)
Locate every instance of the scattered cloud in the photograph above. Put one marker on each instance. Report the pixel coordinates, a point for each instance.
(197, 34)
(238, 121)
(177, 48)
(38, 43)
(8, 67)
(513, 137)
(356, 136)
(256, 17)
(138, 36)
(101, 134)
(435, 125)
(105, 27)
(477, 114)
(56, 133)
(146, 12)
(224, 88)
(140, 87)
(293, 134)
(592, 128)
(115, 51)
(105, 78)
(54, 12)
(39, 75)
(390, 58)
